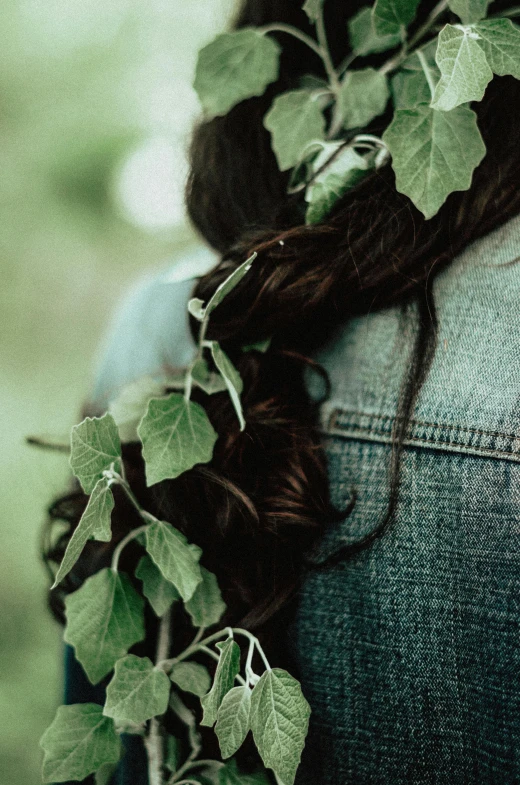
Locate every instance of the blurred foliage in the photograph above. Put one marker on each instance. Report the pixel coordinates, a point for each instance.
(85, 87)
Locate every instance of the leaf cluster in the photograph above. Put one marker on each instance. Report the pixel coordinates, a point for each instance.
(421, 96)
(105, 617)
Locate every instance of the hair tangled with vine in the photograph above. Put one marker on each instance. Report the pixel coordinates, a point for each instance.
(257, 508)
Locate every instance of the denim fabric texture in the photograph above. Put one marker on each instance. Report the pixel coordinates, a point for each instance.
(409, 651)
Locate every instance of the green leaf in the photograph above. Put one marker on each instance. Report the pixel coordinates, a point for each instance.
(95, 446)
(364, 95)
(78, 742)
(104, 619)
(230, 775)
(231, 377)
(329, 186)
(191, 677)
(409, 85)
(94, 523)
(294, 120)
(227, 668)
(159, 592)
(259, 346)
(227, 286)
(279, 721)
(196, 308)
(176, 559)
(173, 753)
(137, 691)
(465, 72)
(313, 9)
(392, 17)
(233, 67)
(500, 41)
(208, 381)
(176, 435)
(363, 38)
(469, 11)
(433, 153)
(206, 605)
(105, 774)
(233, 720)
(129, 407)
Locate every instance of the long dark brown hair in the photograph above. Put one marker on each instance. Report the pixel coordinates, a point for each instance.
(259, 506)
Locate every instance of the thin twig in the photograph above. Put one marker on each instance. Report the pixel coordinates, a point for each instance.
(396, 61)
(124, 542)
(43, 444)
(154, 739)
(327, 59)
(280, 27)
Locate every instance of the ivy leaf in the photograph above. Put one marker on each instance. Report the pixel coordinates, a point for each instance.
(173, 753)
(313, 9)
(227, 668)
(206, 606)
(176, 435)
(469, 11)
(433, 153)
(230, 775)
(465, 72)
(222, 290)
(191, 677)
(363, 96)
(294, 120)
(233, 720)
(409, 85)
(94, 523)
(95, 446)
(208, 381)
(279, 721)
(176, 559)
(104, 775)
(78, 742)
(137, 691)
(392, 17)
(259, 346)
(231, 377)
(104, 619)
(233, 67)
(131, 404)
(347, 168)
(363, 38)
(500, 41)
(159, 592)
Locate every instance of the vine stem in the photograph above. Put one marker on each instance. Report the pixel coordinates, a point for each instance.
(280, 27)
(154, 739)
(327, 59)
(167, 665)
(124, 542)
(509, 12)
(188, 385)
(427, 71)
(396, 61)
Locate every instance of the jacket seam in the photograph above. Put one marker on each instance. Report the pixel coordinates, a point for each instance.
(389, 418)
(351, 429)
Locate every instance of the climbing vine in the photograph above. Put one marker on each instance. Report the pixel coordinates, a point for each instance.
(319, 131)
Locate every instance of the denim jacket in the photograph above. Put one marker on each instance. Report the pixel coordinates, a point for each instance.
(409, 651)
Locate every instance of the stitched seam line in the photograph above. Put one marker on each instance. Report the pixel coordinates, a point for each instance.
(352, 428)
(388, 418)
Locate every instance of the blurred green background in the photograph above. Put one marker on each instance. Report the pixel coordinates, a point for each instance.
(96, 106)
